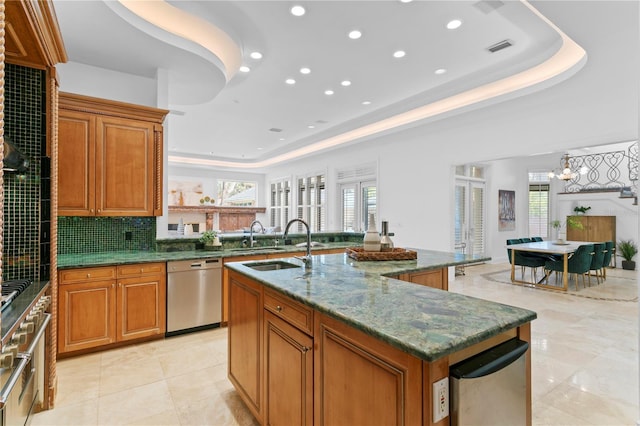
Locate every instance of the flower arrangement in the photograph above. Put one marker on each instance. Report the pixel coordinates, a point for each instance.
(581, 209)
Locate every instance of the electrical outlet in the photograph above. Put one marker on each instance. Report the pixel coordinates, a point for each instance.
(440, 399)
(127, 236)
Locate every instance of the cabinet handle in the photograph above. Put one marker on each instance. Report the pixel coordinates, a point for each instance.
(305, 349)
(278, 308)
(113, 286)
(88, 275)
(99, 211)
(91, 210)
(119, 284)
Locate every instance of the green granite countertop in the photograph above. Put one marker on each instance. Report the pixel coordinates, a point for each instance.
(425, 322)
(66, 261)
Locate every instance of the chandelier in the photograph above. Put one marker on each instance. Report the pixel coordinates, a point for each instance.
(566, 173)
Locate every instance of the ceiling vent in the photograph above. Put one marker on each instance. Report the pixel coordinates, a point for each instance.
(500, 45)
(275, 130)
(488, 6)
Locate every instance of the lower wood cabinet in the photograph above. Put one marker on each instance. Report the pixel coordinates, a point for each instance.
(101, 306)
(435, 278)
(288, 363)
(292, 365)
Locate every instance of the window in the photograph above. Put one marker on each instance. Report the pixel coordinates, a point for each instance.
(469, 209)
(358, 196)
(358, 200)
(280, 203)
(538, 204)
(312, 203)
(236, 194)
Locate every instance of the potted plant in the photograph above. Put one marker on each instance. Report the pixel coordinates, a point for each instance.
(210, 240)
(579, 210)
(627, 249)
(558, 225)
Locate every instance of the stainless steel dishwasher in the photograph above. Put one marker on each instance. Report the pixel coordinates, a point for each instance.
(194, 295)
(489, 389)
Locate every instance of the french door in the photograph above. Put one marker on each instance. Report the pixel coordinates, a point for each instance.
(469, 216)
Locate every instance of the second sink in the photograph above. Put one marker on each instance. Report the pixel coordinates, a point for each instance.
(271, 266)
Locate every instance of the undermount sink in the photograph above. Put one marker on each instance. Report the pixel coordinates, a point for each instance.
(271, 266)
(257, 248)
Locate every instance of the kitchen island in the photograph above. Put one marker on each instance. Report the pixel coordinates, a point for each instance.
(340, 343)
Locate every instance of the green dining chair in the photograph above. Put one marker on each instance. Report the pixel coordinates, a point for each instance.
(608, 254)
(526, 260)
(578, 264)
(597, 261)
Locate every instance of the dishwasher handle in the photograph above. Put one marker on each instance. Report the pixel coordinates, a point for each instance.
(490, 361)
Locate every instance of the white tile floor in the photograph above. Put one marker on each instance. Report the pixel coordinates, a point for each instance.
(585, 367)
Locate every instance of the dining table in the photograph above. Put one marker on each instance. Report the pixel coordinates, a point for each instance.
(557, 248)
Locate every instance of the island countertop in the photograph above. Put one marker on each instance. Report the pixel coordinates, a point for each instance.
(425, 322)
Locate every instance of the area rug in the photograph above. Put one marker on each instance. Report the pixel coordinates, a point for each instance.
(617, 289)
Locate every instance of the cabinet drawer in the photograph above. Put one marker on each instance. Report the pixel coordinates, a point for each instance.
(141, 269)
(87, 274)
(294, 313)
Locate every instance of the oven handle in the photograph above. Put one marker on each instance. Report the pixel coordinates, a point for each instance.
(13, 379)
(38, 336)
(25, 357)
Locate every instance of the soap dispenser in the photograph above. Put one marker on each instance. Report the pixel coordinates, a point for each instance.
(385, 241)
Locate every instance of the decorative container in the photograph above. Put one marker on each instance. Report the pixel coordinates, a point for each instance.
(371, 240)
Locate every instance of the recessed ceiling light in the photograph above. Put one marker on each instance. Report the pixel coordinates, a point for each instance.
(305, 70)
(256, 55)
(440, 71)
(366, 102)
(260, 149)
(346, 83)
(245, 68)
(328, 92)
(297, 10)
(406, 1)
(355, 34)
(290, 81)
(453, 24)
(281, 139)
(399, 54)
(311, 126)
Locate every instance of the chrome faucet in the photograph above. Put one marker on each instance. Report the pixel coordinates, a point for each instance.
(305, 259)
(251, 242)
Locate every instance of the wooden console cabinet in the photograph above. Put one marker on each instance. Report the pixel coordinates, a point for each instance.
(110, 158)
(104, 305)
(594, 229)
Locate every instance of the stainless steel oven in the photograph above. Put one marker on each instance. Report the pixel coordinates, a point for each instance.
(22, 366)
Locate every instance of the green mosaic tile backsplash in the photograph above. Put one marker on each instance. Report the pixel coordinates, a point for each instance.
(99, 234)
(25, 249)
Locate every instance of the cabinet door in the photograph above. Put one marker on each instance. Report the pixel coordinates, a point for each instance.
(141, 307)
(437, 278)
(86, 315)
(225, 282)
(602, 228)
(288, 373)
(125, 167)
(359, 380)
(245, 341)
(76, 164)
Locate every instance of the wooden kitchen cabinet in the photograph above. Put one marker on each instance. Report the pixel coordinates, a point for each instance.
(86, 308)
(245, 341)
(225, 282)
(435, 278)
(288, 361)
(102, 306)
(360, 380)
(141, 296)
(110, 158)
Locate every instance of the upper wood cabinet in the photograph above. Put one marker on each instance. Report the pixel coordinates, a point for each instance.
(32, 34)
(110, 158)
